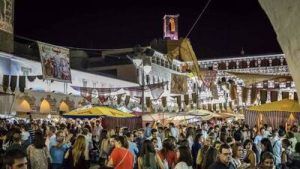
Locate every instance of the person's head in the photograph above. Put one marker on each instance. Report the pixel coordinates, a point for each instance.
(78, 148)
(262, 131)
(121, 141)
(171, 125)
(39, 140)
(230, 141)
(140, 134)
(51, 130)
(297, 147)
(290, 135)
(15, 159)
(147, 124)
(103, 134)
(60, 136)
(217, 128)
(154, 133)
(184, 155)
(248, 144)
(85, 131)
(147, 148)
(204, 126)
(17, 136)
(266, 145)
(225, 154)
(281, 132)
(286, 143)
(268, 161)
(130, 136)
(198, 138)
(112, 140)
(237, 150)
(217, 145)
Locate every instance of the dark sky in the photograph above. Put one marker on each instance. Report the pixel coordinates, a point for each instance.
(226, 27)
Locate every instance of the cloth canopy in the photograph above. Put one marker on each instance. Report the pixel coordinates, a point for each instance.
(96, 112)
(280, 106)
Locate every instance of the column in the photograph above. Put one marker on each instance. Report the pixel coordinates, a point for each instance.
(237, 64)
(268, 96)
(270, 62)
(258, 62)
(227, 64)
(281, 61)
(248, 63)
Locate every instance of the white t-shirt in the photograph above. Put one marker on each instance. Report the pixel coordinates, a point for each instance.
(182, 165)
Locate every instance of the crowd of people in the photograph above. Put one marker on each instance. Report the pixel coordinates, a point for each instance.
(83, 144)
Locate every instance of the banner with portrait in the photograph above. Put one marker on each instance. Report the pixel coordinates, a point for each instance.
(55, 62)
(7, 25)
(179, 84)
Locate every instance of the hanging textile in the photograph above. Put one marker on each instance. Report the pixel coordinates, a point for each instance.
(157, 89)
(231, 105)
(194, 97)
(13, 83)
(186, 99)
(245, 94)
(119, 97)
(179, 84)
(225, 105)
(5, 82)
(209, 107)
(127, 99)
(148, 102)
(22, 83)
(164, 101)
(215, 107)
(214, 91)
(274, 96)
(86, 93)
(103, 98)
(263, 96)
(295, 96)
(179, 101)
(285, 95)
(251, 118)
(31, 78)
(40, 77)
(221, 106)
(233, 91)
(254, 93)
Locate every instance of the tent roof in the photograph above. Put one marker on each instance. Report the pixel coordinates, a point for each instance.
(282, 106)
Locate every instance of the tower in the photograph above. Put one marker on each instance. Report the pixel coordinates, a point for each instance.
(171, 27)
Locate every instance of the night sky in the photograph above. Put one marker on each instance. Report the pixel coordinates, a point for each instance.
(226, 27)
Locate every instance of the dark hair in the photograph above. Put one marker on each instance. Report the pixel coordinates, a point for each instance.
(147, 124)
(52, 129)
(123, 141)
(286, 142)
(39, 140)
(229, 140)
(147, 148)
(290, 135)
(266, 156)
(237, 135)
(281, 132)
(103, 135)
(223, 137)
(185, 155)
(297, 147)
(197, 138)
(153, 131)
(167, 146)
(13, 154)
(267, 144)
(128, 134)
(184, 142)
(224, 146)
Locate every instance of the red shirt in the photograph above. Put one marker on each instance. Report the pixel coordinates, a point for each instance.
(122, 158)
(170, 156)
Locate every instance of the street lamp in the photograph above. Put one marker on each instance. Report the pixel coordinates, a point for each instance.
(142, 61)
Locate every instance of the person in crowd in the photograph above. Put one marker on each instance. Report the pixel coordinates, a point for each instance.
(285, 155)
(147, 132)
(104, 147)
(88, 138)
(132, 146)
(50, 136)
(291, 137)
(277, 145)
(38, 153)
(295, 158)
(121, 157)
(174, 131)
(196, 147)
(58, 148)
(257, 141)
(15, 159)
(154, 134)
(190, 136)
(207, 155)
(167, 154)
(140, 139)
(148, 158)
(184, 157)
(77, 157)
(267, 161)
(17, 141)
(266, 146)
(237, 151)
(168, 133)
(224, 158)
(250, 156)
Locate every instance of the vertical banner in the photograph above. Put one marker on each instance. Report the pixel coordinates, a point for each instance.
(274, 96)
(7, 25)
(285, 95)
(127, 99)
(179, 102)
(55, 62)
(263, 96)
(254, 92)
(186, 99)
(245, 94)
(148, 102)
(164, 101)
(179, 84)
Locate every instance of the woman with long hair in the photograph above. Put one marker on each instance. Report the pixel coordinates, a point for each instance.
(104, 147)
(184, 157)
(38, 154)
(267, 161)
(250, 156)
(77, 157)
(149, 159)
(167, 154)
(266, 146)
(121, 157)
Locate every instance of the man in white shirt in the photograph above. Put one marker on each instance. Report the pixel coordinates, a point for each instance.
(174, 131)
(154, 134)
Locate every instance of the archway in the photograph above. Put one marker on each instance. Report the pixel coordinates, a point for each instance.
(64, 107)
(45, 107)
(23, 106)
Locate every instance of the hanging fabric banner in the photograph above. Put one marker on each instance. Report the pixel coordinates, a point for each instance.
(164, 101)
(274, 96)
(254, 93)
(31, 78)
(209, 107)
(179, 101)
(221, 106)
(225, 106)
(55, 62)
(296, 96)
(22, 83)
(194, 97)
(7, 25)
(135, 91)
(86, 93)
(263, 96)
(214, 91)
(127, 99)
(245, 94)
(215, 107)
(157, 89)
(103, 98)
(285, 95)
(119, 97)
(5, 82)
(233, 91)
(13, 83)
(148, 102)
(186, 99)
(179, 84)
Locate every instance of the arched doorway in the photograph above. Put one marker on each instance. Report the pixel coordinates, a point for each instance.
(45, 107)
(64, 107)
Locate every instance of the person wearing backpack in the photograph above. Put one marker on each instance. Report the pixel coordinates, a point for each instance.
(149, 159)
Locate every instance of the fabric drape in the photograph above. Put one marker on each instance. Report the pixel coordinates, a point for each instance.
(263, 96)
(13, 83)
(22, 83)
(5, 82)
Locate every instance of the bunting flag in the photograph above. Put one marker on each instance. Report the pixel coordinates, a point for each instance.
(22, 83)
(245, 94)
(274, 96)
(148, 102)
(194, 97)
(215, 107)
(254, 93)
(119, 98)
(179, 84)
(103, 98)
(296, 96)
(221, 106)
(284, 16)
(186, 99)
(209, 107)
(135, 91)
(164, 101)
(214, 91)
(252, 78)
(13, 83)
(5, 82)
(31, 78)
(86, 93)
(285, 95)
(179, 101)
(263, 96)
(127, 99)
(157, 89)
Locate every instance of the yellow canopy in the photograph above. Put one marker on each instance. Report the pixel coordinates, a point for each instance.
(97, 111)
(283, 106)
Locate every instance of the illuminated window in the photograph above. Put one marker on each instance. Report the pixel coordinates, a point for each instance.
(172, 25)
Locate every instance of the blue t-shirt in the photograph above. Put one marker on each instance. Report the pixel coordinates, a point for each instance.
(58, 153)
